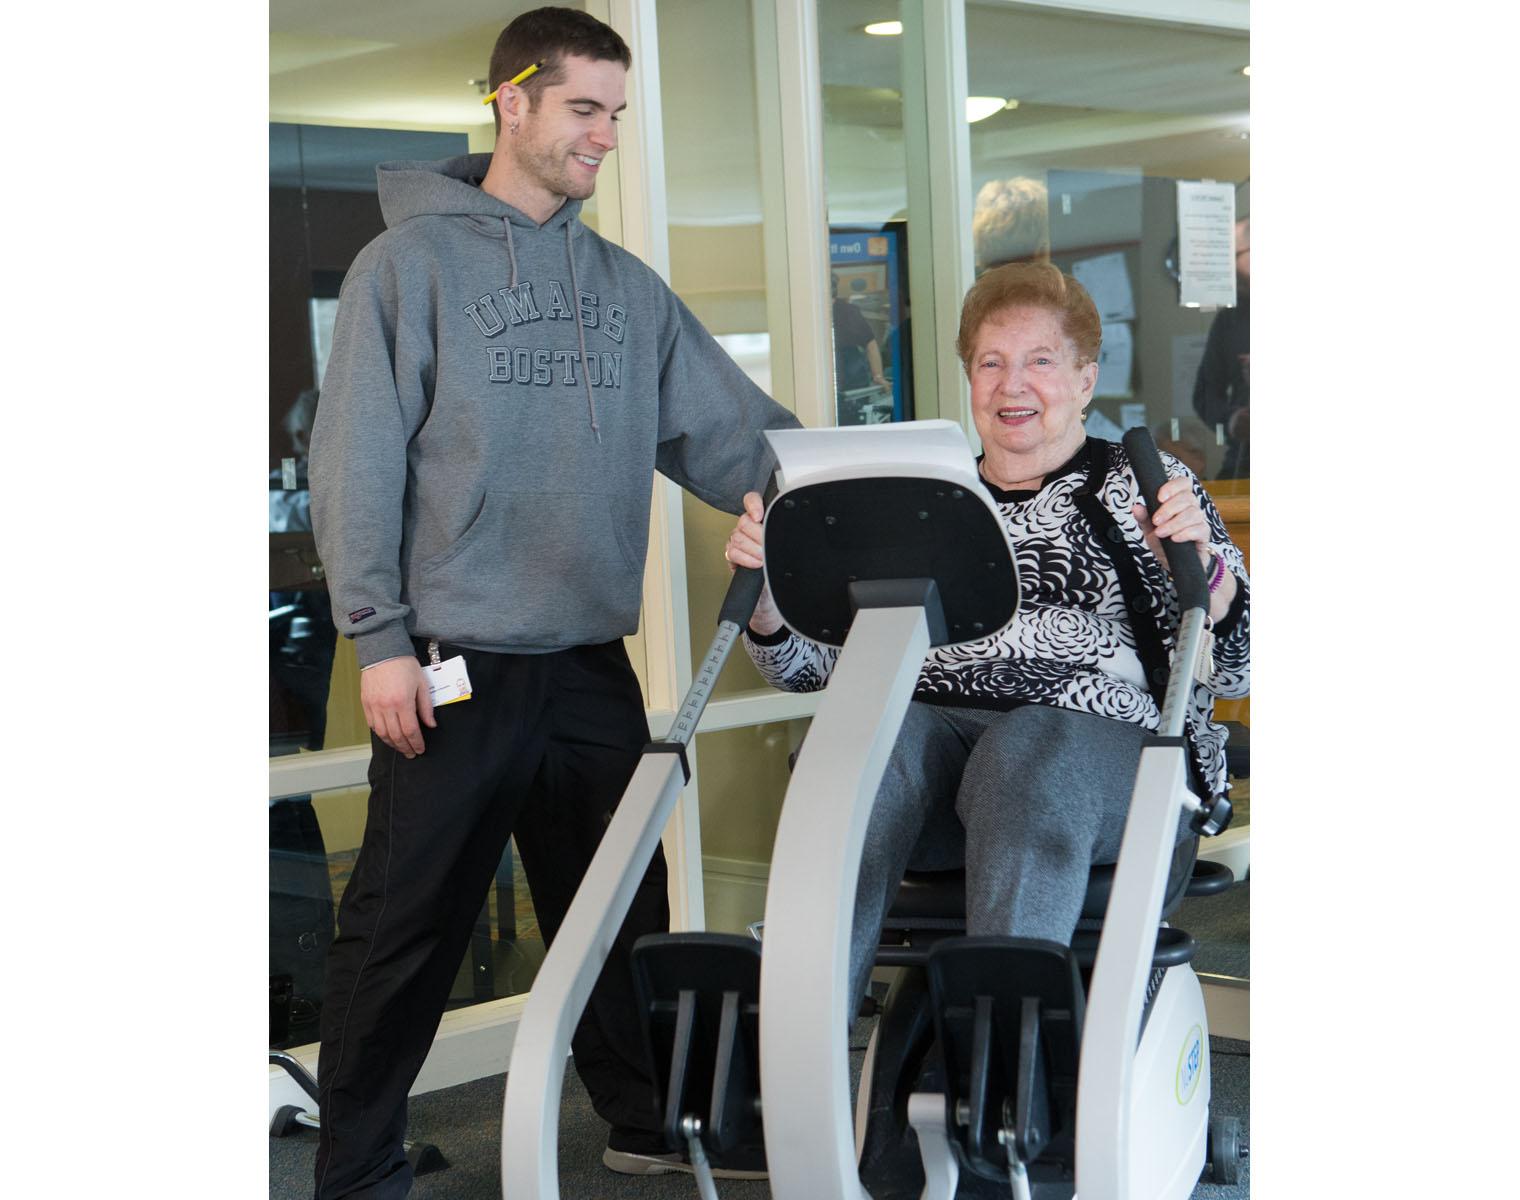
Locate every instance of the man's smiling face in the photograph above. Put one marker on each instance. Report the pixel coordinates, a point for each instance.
(559, 146)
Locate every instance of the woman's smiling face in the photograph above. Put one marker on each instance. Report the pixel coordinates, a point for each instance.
(1028, 390)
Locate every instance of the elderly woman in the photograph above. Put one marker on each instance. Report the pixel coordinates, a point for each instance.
(1024, 745)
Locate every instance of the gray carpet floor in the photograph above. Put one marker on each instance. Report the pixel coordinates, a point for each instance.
(1222, 925)
(464, 1122)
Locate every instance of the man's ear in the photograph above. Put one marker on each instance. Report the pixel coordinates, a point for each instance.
(510, 103)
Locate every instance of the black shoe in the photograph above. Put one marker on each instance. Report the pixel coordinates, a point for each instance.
(639, 1152)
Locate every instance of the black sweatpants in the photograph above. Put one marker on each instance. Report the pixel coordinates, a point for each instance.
(541, 751)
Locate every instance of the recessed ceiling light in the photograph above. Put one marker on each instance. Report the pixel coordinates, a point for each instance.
(979, 108)
(884, 28)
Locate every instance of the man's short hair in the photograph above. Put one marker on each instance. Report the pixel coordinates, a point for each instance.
(549, 35)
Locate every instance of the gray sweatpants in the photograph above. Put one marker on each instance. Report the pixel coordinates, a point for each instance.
(1028, 800)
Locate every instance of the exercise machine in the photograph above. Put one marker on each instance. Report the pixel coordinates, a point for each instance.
(882, 541)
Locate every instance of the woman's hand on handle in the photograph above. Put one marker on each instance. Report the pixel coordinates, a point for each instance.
(1180, 518)
(745, 548)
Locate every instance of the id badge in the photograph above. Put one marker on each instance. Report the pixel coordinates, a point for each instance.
(448, 681)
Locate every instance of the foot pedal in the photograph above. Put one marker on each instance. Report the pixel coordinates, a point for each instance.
(1008, 1016)
(699, 1003)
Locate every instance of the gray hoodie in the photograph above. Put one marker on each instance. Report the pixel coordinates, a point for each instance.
(498, 396)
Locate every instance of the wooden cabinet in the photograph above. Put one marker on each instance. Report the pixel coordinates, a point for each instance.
(1236, 511)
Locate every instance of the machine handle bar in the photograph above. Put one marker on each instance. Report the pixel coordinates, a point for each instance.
(738, 606)
(1181, 558)
(742, 596)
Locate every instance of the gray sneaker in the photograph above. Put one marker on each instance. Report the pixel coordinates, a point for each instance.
(638, 1155)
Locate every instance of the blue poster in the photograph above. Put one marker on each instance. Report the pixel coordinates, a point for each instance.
(873, 377)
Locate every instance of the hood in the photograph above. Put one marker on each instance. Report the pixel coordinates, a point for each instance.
(451, 187)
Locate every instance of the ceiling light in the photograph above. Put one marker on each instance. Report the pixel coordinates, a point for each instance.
(979, 108)
(884, 28)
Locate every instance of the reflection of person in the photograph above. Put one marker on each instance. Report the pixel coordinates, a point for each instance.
(1024, 745)
(899, 352)
(1011, 222)
(857, 356)
(302, 643)
(1222, 392)
(302, 640)
(502, 385)
(290, 508)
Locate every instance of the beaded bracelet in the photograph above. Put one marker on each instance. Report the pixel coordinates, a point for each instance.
(1218, 577)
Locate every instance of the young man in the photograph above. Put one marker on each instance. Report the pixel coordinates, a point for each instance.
(502, 385)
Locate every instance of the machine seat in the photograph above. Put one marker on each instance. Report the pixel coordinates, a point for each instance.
(937, 899)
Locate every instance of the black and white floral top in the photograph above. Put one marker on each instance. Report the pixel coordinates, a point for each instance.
(1096, 615)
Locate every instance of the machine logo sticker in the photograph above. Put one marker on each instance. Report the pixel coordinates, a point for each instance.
(1189, 1065)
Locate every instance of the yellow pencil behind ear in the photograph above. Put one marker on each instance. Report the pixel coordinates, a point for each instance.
(515, 80)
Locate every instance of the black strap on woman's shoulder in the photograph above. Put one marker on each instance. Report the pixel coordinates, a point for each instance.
(1150, 645)
(1144, 615)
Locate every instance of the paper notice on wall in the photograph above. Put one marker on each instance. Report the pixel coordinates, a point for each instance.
(1187, 357)
(1106, 279)
(1116, 360)
(1206, 244)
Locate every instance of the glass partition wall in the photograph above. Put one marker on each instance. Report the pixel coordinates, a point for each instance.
(1080, 127)
(870, 223)
(717, 227)
(1084, 127)
(314, 843)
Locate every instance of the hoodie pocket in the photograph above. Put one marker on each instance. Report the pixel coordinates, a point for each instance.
(460, 544)
(535, 570)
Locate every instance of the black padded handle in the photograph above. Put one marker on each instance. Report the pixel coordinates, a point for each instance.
(1181, 557)
(744, 588)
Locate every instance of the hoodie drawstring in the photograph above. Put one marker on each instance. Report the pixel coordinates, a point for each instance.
(580, 331)
(575, 307)
(511, 249)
